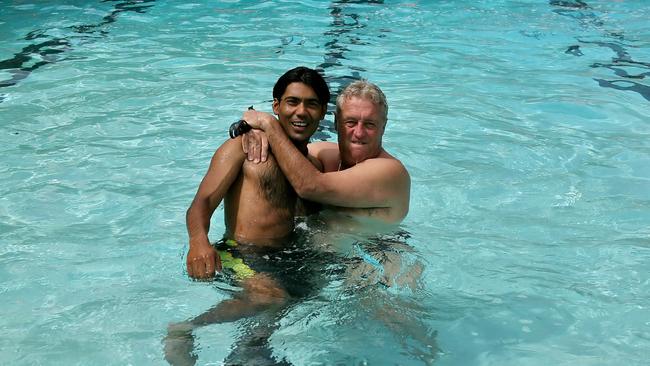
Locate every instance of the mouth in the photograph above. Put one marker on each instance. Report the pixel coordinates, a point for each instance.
(299, 124)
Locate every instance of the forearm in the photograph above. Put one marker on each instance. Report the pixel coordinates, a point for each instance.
(224, 168)
(202, 259)
(198, 223)
(301, 173)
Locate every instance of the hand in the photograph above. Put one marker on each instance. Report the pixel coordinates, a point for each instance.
(202, 260)
(255, 146)
(260, 120)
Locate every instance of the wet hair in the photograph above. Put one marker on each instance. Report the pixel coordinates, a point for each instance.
(306, 76)
(365, 90)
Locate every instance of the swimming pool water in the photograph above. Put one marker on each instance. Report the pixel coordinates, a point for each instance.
(524, 126)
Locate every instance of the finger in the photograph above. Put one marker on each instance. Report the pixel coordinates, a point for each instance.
(190, 270)
(217, 262)
(209, 268)
(193, 271)
(265, 148)
(250, 149)
(199, 269)
(244, 143)
(255, 152)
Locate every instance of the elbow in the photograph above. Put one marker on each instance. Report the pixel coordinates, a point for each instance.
(307, 189)
(304, 191)
(190, 210)
(197, 207)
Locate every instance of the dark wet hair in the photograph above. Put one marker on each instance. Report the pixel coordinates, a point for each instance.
(306, 76)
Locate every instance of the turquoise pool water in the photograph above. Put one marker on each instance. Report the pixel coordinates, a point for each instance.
(524, 125)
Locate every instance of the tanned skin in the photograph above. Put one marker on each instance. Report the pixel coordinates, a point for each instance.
(359, 176)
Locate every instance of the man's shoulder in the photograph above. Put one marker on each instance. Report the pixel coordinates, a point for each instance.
(327, 153)
(229, 152)
(320, 146)
(386, 158)
(230, 146)
(386, 163)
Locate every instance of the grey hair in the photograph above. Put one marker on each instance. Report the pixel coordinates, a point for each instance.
(365, 90)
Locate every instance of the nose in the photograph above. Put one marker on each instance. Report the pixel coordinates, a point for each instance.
(301, 109)
(358, 130)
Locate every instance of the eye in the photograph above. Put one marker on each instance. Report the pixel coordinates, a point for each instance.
(313, 104)
(292, 101)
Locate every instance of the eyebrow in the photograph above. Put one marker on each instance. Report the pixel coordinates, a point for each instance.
(301, 99)
(367, 120)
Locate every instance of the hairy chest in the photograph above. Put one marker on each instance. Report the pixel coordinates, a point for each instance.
(270, 182)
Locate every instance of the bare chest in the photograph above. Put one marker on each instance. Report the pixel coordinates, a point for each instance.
(270, 183)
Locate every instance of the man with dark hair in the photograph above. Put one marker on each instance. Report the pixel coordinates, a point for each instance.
(260, 206)
(259, 203)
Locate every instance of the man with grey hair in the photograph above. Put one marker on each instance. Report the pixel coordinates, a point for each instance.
(359, 176)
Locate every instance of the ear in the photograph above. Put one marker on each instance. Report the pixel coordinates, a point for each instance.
(276, 106)
(336, 122)
(323, 112)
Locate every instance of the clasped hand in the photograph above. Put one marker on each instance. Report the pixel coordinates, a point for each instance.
(255, 143)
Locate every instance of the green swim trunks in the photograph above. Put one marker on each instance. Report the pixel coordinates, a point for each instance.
(230, 259)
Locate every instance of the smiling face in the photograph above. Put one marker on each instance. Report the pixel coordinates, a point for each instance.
(360, 126)
(299, 111)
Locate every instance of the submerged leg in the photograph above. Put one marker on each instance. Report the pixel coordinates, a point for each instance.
(260, 292)
(253, 347)
(179, 345)
(405, 319)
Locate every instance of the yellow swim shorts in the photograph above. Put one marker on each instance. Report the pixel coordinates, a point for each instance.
(230, 259)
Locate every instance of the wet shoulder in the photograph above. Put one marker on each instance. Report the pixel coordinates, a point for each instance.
(327, 153)
(395, 162)
(231, 150)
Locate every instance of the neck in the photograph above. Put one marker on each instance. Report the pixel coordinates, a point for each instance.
(343, 166)
(301, 146)
(349, 164)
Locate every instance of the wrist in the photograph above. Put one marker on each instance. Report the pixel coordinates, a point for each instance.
(265, 125)
(271, 126)
(199, 241)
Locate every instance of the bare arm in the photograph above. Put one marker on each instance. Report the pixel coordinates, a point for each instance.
(256, 147)
(224, 168)
(374, 183)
